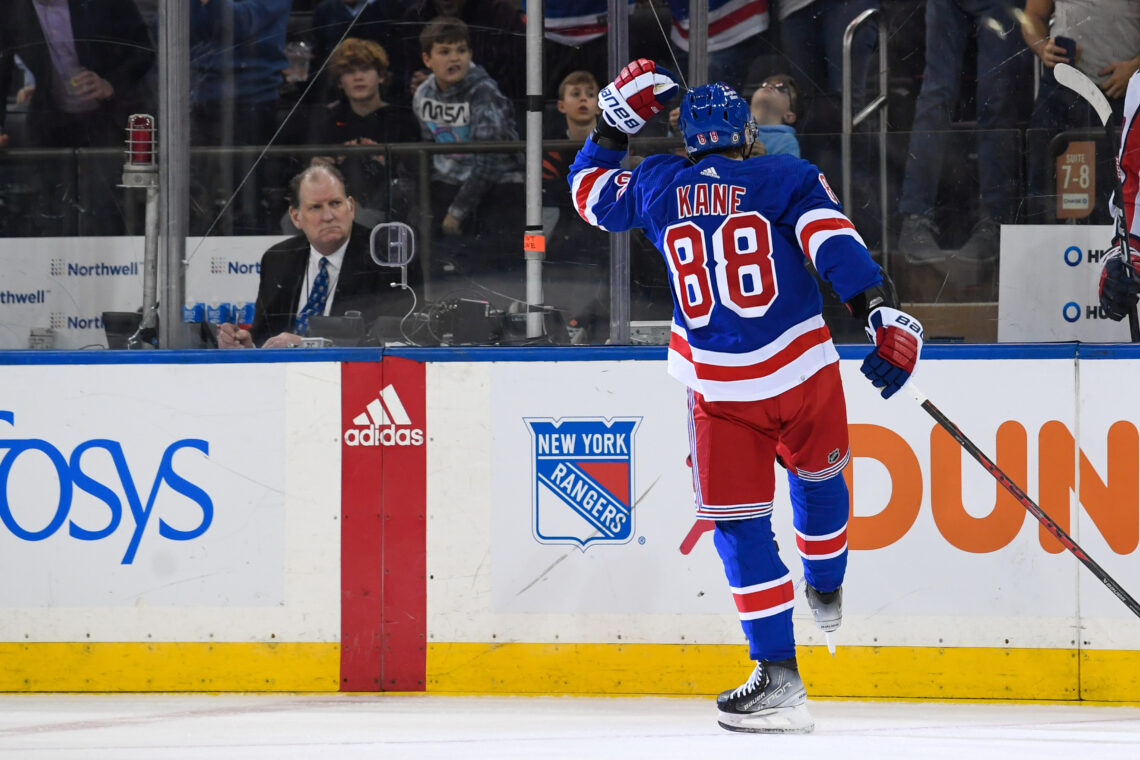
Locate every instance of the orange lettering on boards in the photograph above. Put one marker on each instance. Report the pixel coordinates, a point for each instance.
(979, 535)
(893, 452)
(1110, 503)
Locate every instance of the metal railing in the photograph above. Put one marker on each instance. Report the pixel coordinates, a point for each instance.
(878, 104)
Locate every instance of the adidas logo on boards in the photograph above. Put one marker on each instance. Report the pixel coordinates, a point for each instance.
(710, 172)
(384, 422)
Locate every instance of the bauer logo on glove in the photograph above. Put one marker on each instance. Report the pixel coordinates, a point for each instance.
(898, 342)
(641, 90)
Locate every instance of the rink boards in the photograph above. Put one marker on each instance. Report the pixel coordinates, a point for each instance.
(520, 521)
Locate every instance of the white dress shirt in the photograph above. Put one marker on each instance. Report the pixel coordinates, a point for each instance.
(336, 261)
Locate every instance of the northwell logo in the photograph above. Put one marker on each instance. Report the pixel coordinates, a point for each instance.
(60, 268)
(384, 422)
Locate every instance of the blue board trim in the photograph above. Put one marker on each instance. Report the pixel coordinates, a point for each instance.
(958, 351)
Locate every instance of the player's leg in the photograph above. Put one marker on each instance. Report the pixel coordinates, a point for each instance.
(819, 514)
(815, 447)
(734, 479)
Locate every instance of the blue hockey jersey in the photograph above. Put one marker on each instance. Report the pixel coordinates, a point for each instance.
(747, 313)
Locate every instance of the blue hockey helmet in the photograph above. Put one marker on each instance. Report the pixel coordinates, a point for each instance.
(714, 117)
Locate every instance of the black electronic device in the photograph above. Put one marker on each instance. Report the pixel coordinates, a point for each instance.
(348, 330)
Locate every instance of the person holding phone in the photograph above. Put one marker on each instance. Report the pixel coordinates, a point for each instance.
(1101, 39)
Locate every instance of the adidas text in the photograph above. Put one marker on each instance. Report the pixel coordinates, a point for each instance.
(386, 436)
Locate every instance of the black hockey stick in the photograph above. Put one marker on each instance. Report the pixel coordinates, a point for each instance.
(1056, 530)
(1087, 89)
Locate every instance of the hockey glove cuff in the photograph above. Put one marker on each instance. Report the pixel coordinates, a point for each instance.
(1118, 287)
(898, 342)
(641, 90)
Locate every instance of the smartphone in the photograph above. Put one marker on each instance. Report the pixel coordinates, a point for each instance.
(1070, 46)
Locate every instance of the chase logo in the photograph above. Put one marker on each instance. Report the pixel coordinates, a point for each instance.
(583, 480)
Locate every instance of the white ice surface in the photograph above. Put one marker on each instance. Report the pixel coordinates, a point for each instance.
(324, 727)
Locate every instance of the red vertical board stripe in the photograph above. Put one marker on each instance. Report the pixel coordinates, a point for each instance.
(383, 538)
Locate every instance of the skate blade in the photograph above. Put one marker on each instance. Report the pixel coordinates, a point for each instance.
(780, 720)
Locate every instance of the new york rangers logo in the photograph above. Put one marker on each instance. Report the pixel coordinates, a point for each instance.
(583, 480)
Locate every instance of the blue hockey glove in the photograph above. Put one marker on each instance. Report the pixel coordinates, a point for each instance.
(898, 342)
(641, 90)
(1118, 291)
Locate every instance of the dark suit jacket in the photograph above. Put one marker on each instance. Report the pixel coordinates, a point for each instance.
(111, 39)
(361, 286)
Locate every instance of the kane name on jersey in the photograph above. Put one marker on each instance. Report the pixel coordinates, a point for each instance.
(704, 198)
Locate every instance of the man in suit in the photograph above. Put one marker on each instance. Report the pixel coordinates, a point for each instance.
(325, 270)
(90, 59)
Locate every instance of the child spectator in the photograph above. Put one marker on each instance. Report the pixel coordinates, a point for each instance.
(774, 106)
(360, 116)
(480, 194)
(576, 271)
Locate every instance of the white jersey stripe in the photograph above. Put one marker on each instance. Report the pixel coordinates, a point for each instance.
(829, 555)
(761, 586)
(587, 188)
(748, 358)
(822, 537)
(786, 377)
(768, 612)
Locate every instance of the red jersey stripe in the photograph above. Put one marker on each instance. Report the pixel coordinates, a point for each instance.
(825, 546)
(765, 599)
(822, 225)
(755, 371)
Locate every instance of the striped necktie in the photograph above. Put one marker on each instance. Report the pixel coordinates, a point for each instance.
(318, 294)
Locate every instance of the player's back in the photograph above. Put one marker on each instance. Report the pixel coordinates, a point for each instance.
(742, 281)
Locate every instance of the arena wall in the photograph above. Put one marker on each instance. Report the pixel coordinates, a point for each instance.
(361, 521)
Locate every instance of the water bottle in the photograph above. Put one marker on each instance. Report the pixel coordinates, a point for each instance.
(218, 312)
(243, 314)
(193, 311)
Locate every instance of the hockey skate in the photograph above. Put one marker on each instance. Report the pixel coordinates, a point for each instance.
(772, 701)
(827, 609)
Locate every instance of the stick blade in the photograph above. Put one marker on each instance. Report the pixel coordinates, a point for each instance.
(1085, 87)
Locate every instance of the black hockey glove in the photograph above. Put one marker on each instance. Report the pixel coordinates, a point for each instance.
(1118, 290)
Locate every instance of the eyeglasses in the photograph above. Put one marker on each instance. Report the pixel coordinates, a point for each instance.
(777, 86)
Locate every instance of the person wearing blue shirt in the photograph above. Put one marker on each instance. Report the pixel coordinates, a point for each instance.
(774, 108)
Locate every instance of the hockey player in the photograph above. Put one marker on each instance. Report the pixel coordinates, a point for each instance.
(749, 341)
(1118, 292)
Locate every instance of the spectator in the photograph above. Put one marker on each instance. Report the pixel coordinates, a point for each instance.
(362, 117)
(460, 103)
(496, 34)
(369, 20)
(88, 63)
(1106, 34)
(774, 108)
(237, 61)
(576, 270)
(575, 40)
(811, 40)
(324, 270)
(735, 37)
(948, 27)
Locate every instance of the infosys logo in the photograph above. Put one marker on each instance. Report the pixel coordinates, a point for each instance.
(61, 268)
(384, 422)
(148, 493)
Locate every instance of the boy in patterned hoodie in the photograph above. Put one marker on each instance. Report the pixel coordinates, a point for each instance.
(459, 102)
